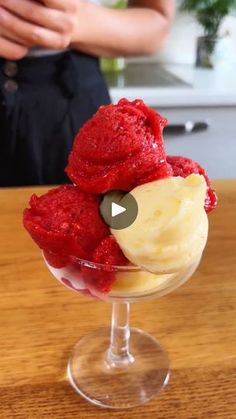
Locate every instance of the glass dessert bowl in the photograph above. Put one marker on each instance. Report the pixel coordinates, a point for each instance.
(118, 367)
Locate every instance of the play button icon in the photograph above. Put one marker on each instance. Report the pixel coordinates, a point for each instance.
(119, 209)
(116, 209)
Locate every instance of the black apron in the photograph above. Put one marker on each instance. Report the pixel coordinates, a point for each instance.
(43, 103)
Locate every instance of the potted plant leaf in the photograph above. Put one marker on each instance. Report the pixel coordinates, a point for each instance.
(209, 13)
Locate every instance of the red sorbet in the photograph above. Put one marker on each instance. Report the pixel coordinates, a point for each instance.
(65, 221)
(107, 253)
(119, 148)
(182, 166)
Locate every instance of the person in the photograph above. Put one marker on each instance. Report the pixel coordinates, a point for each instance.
(50, 82)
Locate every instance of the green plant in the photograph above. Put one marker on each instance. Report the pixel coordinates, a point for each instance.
(209, 13)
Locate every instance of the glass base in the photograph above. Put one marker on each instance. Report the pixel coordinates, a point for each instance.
(121, 387)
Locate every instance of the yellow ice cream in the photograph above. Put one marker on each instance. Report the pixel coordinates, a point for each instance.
(170, 231)
(138, 282)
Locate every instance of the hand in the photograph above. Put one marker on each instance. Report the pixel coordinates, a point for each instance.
(11, 50)
(49, 24)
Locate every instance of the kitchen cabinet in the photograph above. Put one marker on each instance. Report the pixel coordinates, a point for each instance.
(214, 148)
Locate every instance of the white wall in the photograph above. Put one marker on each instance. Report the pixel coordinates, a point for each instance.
(181, 44)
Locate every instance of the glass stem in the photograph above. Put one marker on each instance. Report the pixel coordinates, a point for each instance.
(118, 354)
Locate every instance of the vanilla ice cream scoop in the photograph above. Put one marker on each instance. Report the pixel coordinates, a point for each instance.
(171, 228)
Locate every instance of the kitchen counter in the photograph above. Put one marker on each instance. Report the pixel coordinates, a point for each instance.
(41, 321)
(177, 85)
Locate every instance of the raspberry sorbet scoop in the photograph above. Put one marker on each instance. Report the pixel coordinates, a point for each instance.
(66, 221)
(107, 253)
(183, 166)
(119, 148)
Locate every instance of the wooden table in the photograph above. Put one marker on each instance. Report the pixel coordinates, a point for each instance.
(40, 322)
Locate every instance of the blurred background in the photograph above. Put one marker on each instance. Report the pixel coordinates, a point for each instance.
(191, 81)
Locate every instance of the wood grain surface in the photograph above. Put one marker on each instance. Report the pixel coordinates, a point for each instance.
(40, 322)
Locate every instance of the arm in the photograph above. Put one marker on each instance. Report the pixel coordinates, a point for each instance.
(141, 29)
